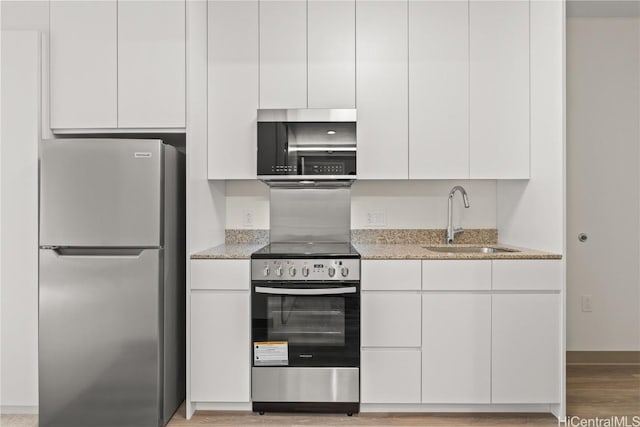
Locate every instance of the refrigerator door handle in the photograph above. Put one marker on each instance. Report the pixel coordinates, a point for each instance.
(97, 252)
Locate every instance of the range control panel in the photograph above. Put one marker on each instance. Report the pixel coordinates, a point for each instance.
(305, 269)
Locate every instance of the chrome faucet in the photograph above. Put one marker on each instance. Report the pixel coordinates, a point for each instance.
(451, 231)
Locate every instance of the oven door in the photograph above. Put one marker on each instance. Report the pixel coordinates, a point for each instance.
(296, 324)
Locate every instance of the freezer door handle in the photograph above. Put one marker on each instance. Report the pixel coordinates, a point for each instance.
(96, 252)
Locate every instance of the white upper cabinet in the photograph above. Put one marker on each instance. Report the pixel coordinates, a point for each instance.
(382, 89)
(438, 89)
(83, 62)
(499, 89)
(233, 75)
(151, 64)
(331, 48)
(283, 54)
(117, 64)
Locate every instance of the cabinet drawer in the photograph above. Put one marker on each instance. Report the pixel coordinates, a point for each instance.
(458, 275)
(390, 376)
(223, 274)
(390, 275)
(527, 274)
(391, 319)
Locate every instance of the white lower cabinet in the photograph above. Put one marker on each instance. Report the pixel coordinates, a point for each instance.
(390, 319)
(527, 275)
(456, 348)
(220, 346)
(390, 376)
(456, 275)
(391, 275)
(525, 348)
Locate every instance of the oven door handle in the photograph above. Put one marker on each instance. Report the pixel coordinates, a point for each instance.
(298, 291)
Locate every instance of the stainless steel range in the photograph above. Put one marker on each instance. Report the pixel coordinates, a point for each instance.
(306, 327)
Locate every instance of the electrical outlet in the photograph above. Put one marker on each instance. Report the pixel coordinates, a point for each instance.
(376, 219)
(587, 307)
(247, 218)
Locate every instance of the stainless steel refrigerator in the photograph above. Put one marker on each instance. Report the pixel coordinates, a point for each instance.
(112, 282)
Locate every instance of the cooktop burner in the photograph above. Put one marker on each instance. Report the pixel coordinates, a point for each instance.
(306, 250)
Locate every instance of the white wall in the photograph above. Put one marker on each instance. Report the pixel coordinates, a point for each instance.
(20, 104)
(531, 213)
(603, 177)
(32, 15)
(23, 117)
(406, 204)
(205, 199)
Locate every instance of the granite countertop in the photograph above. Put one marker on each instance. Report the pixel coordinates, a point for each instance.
(228, 251)
(418, 251)
(382, 251)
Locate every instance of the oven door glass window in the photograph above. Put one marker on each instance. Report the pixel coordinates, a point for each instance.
(306, 321)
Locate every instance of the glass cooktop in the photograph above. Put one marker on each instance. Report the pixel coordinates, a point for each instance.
(306, 250)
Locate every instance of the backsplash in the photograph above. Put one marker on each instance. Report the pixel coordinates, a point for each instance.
(379, 204)
(478, 236)
(246, 236)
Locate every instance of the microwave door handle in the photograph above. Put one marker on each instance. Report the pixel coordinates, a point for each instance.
(297, 291)
(302, 161)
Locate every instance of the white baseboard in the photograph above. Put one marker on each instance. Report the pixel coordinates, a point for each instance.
(18, 410)
(375, 407)
(221, 406)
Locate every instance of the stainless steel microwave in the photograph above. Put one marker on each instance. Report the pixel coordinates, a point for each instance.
(307, 145)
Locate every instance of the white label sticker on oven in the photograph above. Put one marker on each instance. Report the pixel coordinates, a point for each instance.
(271, 353)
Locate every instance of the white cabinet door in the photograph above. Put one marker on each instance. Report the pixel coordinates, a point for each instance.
(456, 348)
(526, 358)
(151, 64)
(499, 89)
(83, 61)
(391, 275)
(438, 89)
(283, 54)
(220, 274)
(382, 89)
(390, 376)
(456, 275)
(332, 53)
(390, 319)
(526, 274)
(232, 89)
(220, 347)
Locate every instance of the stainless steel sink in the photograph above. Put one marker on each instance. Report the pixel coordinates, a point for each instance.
(469, 249)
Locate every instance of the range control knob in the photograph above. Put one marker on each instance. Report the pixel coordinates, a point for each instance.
(266, 271)
(279, 271)
(292, 271)
(332, 271)
(344, 271)
(305, 271)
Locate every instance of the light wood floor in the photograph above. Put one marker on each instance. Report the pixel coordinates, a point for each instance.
(592, 391)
